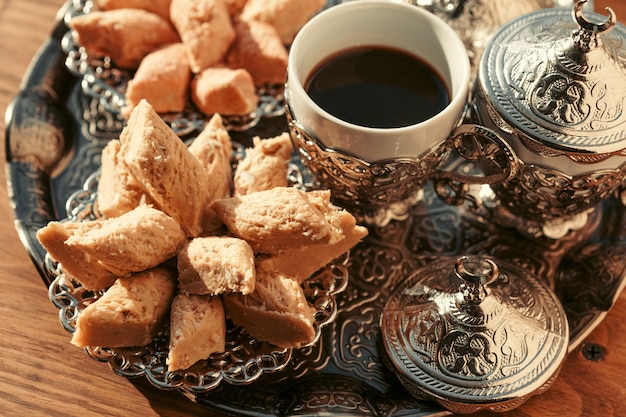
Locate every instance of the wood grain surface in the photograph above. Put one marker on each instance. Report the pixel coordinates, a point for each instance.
(41, 374)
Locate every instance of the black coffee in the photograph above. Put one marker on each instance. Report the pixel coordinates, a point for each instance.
(377, 87)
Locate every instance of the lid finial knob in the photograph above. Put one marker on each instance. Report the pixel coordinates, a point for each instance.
(586, 37)
(476, 273)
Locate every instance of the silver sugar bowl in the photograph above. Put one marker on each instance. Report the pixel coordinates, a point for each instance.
(474, 334)
(551, 93)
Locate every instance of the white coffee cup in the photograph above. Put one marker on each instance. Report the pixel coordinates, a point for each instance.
(386, 24)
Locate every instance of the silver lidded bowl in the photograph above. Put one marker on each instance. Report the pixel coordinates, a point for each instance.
(474, 334)
(552, 85)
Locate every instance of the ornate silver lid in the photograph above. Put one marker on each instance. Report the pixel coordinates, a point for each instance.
(472, 334)
(559, 77)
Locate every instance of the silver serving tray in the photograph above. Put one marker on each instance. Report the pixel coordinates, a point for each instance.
(54, 137)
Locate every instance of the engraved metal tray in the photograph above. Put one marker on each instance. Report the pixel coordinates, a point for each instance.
(55, 133)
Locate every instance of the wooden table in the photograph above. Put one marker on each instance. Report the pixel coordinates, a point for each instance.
(41, 374)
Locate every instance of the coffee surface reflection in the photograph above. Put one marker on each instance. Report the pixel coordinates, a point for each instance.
(377, 87)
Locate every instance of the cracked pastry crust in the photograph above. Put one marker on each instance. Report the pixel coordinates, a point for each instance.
(75, 262)
(276, 312)
(257, 48)
(135, 241)
(216, 265)
(219, 89)
(118, 191)
(265, 165)
(162, 79)
(165, 168)
(287, 16)
(303, 261)
(197, 329)
(205, 28)
(275, 219)
(213, 148)
(130, 313)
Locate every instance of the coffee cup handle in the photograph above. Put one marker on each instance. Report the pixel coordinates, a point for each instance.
(484, 149)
